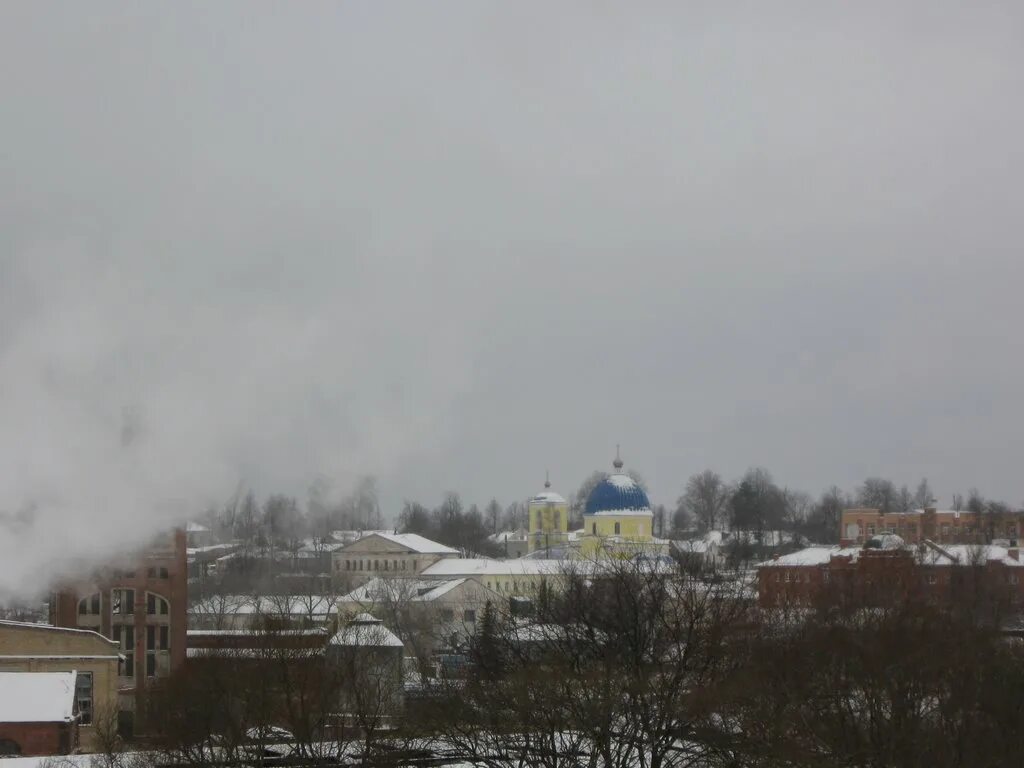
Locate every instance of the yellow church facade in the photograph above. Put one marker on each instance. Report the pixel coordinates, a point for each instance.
(548, 524)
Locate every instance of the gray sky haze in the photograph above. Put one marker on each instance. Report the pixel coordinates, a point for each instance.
(455, 244)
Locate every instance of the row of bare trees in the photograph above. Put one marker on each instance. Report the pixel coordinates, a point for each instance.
(756, 503)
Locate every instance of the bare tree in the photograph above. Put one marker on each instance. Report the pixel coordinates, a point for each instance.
(878, 493)
(706, 498)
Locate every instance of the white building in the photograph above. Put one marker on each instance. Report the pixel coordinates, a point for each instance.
(387, 554)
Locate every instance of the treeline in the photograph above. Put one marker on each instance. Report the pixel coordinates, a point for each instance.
(756, 503)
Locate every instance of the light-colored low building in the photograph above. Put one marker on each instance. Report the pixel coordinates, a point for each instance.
(387, 554)
(248, 612)
(42, 648)
(512, 543)
(521, 576)
(453, 603)
(369, 657)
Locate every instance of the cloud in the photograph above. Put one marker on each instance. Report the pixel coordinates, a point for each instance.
(454, 246)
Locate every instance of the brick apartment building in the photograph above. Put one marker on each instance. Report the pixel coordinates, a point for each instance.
(887, 572)
(942, 526)
(143, 606)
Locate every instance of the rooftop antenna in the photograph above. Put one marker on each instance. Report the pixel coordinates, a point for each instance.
(547, 479)
(618, 460)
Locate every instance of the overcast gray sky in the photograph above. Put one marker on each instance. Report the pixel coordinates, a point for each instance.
(453, 244)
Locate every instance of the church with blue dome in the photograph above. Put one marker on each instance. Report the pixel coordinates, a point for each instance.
(617, 519)
(617, 512)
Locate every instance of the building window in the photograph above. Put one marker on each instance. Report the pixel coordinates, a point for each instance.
(826, 576)
(156, 605)
(394, 565)
(931, 578)
(1011, 578)
(385, 565)
(83, 695)
(404, 563)
(447, 614)
(125, 635)
(618, 528)
(558, 519)
(539, 522)
(122, 602)
(89, 606)
(593, 528)
(156, 650)
(469, 616)
(1011, 531)
(871, 530)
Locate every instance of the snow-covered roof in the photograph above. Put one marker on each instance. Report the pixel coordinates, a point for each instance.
(810, 556)
(503, 536)
(253, 632)
(400, 590)
(193, 527)
(37, 697)
(482, 567)
(548, 497)
(192, 551)
(966, 554)
(416, 543)
(928, 554)
(364, 630)
(296, 605)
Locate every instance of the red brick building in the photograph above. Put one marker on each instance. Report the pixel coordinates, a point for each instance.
(938, 525)
(142, 604)
(879, 575)
(38, 714)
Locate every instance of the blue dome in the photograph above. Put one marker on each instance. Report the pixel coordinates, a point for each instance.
(617, 493)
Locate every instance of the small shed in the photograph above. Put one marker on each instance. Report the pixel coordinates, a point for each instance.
(369, 660)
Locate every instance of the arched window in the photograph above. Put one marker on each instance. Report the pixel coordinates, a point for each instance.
(89, 606)
(156, 605)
